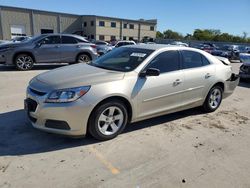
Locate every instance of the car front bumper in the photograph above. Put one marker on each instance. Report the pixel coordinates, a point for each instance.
(2, 58)
(60, 118)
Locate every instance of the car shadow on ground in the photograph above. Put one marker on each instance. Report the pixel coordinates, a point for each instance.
(36, 67)
(18, 137)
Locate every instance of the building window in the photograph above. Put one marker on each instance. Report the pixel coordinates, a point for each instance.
(85, 24)
(113, 38)
(45, 31)
(92, 23)
(101, 23)
(131, 26)
(152, 28)
(131, 38)
(125, 26)
(124, 38)
(101, 37)
(113, 24)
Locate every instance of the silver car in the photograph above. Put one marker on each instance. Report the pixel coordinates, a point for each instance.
(128, 84)
(47, 48)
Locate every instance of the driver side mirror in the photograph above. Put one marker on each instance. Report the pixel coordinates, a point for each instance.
(39, 44)
(150, 72)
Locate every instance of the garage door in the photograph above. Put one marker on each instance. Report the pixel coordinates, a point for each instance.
(17, 30)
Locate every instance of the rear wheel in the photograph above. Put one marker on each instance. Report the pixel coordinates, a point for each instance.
(24, 62)
(83, 58)
(108, 120)
(213, 99)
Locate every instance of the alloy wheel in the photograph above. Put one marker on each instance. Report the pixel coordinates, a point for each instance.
(110, 120)
(215, 98)
(24, 62)
(83, 58)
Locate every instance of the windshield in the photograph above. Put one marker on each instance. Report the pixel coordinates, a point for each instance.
(122, 59)
(35, 38)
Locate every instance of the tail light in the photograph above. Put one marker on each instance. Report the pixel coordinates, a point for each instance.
(93, 46)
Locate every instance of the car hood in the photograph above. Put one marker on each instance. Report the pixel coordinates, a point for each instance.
(12, 44)
(73, 76)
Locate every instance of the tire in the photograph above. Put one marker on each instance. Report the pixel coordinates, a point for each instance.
(83, 58)
(213, 99)
(108, 120)
(24, 62)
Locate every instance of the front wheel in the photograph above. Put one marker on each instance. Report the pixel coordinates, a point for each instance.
(24, 62)
(108, 120)
(213, 99)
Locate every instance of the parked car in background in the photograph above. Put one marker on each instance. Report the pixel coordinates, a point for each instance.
(245, 67)
(247, 50)
(103, 47)
(47, 48)
(123, 43)
(4, 41)
(178, 43)
(20, 39)
(128, 84)
(207, 47)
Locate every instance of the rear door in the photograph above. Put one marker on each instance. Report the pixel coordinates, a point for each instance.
(48, 49)
(163, 92)
(69, 49)
(198, 76)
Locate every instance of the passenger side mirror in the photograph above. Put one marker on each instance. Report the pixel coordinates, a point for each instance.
(150, 72)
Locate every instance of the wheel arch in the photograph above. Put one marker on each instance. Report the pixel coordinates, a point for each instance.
(119, 98)
(83, 52)
(23, 52)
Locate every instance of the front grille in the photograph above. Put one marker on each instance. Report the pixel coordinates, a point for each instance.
(39, 93)
(31, 105)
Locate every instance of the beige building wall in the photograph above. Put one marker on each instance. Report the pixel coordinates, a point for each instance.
(107, 30)
(89, 30)
(70, 24)
(146, 32)
(45, 21)
(34, 20)
(127, 32)
(14, 17)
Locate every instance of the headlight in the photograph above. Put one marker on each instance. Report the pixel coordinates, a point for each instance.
(67, 95)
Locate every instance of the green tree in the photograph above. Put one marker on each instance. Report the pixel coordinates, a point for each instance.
(169, 34)
(159, 34)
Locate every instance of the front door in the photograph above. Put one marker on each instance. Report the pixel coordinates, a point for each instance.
(48, 50)
(161, 93)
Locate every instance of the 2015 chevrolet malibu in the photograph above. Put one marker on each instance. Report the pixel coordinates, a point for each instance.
(128, 84)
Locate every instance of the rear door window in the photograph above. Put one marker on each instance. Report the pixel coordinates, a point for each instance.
(191, 59)
(68, 40)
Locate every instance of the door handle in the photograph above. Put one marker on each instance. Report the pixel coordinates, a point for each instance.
(177, 82)
(208, 75)
(57, 46)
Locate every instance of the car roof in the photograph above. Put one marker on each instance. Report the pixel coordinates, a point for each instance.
(156, 46)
